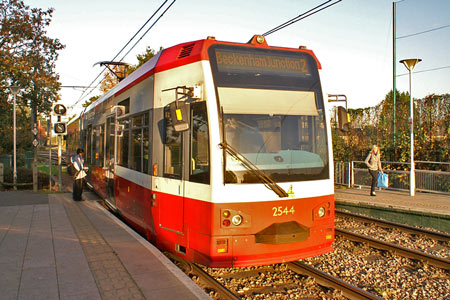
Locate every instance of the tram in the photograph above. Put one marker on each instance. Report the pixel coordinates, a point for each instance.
(218, 152)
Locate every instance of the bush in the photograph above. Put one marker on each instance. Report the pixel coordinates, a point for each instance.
(25, 175)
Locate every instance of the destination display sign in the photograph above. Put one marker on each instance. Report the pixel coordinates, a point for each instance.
(264, 63)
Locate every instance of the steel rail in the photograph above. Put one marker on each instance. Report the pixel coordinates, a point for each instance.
(403, 251)
(322, 278)
(207, 279)
(407, 228)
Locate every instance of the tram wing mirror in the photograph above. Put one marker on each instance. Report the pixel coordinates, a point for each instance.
(343, 119)
(179, 115)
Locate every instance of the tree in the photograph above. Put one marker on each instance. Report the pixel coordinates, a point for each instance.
(90, 101)
(27, 59)
(109, 80)
(374, 125)
(143, 58)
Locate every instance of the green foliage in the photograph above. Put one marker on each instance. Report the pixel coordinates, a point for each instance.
(27, 59)
(90, 101)
(375, 125)
(25, 175)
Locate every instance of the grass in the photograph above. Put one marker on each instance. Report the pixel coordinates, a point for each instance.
(43, 168)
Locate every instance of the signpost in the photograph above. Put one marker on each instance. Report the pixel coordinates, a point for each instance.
(49, 135)
(60, 128)
(14, 90)
(35, 138)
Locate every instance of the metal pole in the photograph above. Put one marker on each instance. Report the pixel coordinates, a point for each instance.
(394, 60)
(353, 174)
(59, 164)
(349, 182)
(49, 136)
(15, 148)
(412, 175)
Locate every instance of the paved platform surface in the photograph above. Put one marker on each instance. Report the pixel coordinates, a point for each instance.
(421, 202)
(54, 248)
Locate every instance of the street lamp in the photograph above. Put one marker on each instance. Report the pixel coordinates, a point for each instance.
(410, 64)
(14, 90)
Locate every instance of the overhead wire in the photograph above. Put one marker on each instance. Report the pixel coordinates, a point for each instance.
(422, 32)
(142, 27)
(418, 33)
(83, 95)
(301, 16)
(287, 22)
(422, 71)
(148, 30)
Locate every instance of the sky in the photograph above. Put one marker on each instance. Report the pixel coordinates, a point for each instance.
(352, 39)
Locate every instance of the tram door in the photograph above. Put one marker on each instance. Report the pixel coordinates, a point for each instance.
(186, 159)
(110, 161)
(172, 203)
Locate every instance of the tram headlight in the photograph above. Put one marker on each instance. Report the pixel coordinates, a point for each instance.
(260, 39)
(236, 220)
(226, 213)
(321, 212)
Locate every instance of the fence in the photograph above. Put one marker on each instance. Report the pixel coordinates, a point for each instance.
(355, 174)
(24, 160)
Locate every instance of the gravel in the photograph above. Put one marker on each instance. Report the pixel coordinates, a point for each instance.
(271, 283)
(383, 273)
(396, 236)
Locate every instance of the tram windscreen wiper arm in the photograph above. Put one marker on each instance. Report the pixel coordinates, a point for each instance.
(266, 180)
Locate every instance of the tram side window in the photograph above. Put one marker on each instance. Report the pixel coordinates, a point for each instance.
(123, 142)
(110, 131)
(172, 148)
(199, 164)
(140, 143)
(125, 103)
(89, 145)
(83, 142)
(98, 143)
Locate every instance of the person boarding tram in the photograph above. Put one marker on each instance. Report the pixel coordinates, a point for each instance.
(78, 164)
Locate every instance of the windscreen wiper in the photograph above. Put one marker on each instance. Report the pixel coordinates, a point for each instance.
(266, 180)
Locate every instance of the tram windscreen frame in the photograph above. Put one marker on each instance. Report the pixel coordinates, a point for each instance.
(246, 67)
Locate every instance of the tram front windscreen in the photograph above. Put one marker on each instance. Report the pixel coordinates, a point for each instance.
(273, 113)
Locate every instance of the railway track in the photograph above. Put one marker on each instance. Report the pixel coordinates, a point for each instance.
(406, 228)
(434, 260)
(44, 155)
(348, 290)
(403, 251)
(320, 277)
(207, 279)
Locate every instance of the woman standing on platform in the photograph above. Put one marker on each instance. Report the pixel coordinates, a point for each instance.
(373, 162)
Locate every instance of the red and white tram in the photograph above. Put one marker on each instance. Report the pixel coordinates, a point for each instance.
(218, 152)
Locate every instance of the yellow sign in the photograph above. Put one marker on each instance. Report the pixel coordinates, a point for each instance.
(179, 114)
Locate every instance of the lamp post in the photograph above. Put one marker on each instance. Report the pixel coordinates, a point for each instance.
(14, 90)
(410, 64)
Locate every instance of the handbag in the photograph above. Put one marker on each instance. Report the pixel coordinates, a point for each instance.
(383, 180)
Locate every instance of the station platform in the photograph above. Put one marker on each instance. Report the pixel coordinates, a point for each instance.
(54, 248)
(423, 209)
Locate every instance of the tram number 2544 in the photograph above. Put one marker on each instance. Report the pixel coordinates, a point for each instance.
(279, 211)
